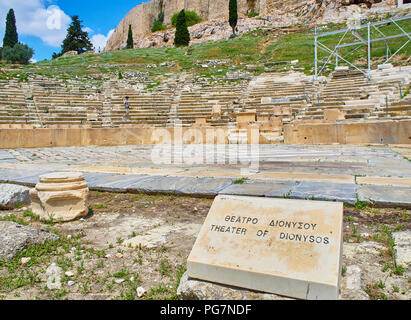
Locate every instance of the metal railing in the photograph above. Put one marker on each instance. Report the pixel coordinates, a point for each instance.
(367, 41)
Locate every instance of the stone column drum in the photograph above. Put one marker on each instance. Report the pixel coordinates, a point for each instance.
(61, 196)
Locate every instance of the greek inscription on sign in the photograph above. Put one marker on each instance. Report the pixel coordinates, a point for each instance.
(283, 246)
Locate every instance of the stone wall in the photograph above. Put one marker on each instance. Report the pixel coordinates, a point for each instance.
(66, 137)
(378, 132)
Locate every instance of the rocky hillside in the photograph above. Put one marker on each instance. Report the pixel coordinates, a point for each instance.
(271, 13)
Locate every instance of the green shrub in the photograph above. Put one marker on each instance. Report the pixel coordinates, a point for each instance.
(20, 53)
(158, 26)
(192, 18)
(253, 14)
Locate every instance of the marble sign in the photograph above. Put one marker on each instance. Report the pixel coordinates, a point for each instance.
(281, 246)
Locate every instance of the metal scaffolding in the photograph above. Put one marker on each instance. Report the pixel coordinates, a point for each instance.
(367, 41)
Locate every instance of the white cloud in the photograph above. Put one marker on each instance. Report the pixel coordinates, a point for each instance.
(89, 30)
(33, 18)
(42, 19)
(99, 40)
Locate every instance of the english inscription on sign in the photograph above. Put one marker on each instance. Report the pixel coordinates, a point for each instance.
(282, 246)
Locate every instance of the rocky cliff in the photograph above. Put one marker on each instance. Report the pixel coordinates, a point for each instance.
(141, 17)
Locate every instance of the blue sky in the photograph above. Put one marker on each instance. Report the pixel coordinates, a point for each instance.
(42, 24)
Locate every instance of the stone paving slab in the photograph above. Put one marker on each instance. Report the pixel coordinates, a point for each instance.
(384, 195)
(33, 178)
(277, 189)
(121, 183)
(302, 176)
(345, 192)
(181, 185)
(111, 182)
(389, 196)
(128, 170)
(333, 172)
(5, 155)
(23, 175)
(327, 159)
(206, 186)
(400, 182)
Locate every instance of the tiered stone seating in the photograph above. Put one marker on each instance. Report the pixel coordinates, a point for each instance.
(13, 106)
(400, 109)
(275, 99)
(67, 105)
(280, 95)
(145, 108)
(203, 102)
(358, 97)
(342, 87)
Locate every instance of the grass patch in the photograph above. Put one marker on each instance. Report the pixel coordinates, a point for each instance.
(360, 205)
(240, 181)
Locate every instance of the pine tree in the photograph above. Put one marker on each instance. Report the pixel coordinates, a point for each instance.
(11, 36)
(233, 14)
(76, 39)
(182, 36)
(130, 43)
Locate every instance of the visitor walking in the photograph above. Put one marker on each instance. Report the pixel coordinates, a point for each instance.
(127, 108)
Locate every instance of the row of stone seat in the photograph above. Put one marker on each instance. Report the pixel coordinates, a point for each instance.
(290, 97)
(359, 98)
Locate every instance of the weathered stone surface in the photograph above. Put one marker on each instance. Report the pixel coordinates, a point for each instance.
(12, 195)
(6, 157)
(388, 196)
(62, 177)
(193, 289)
(260, 188)
(352, 287)
(70, 54)
(181, 185)
(325, 191)
(54, 274)
(361, 268)
(402, 241)
(365, 255)
(61, 196)
(159, 236)
(15, 238)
